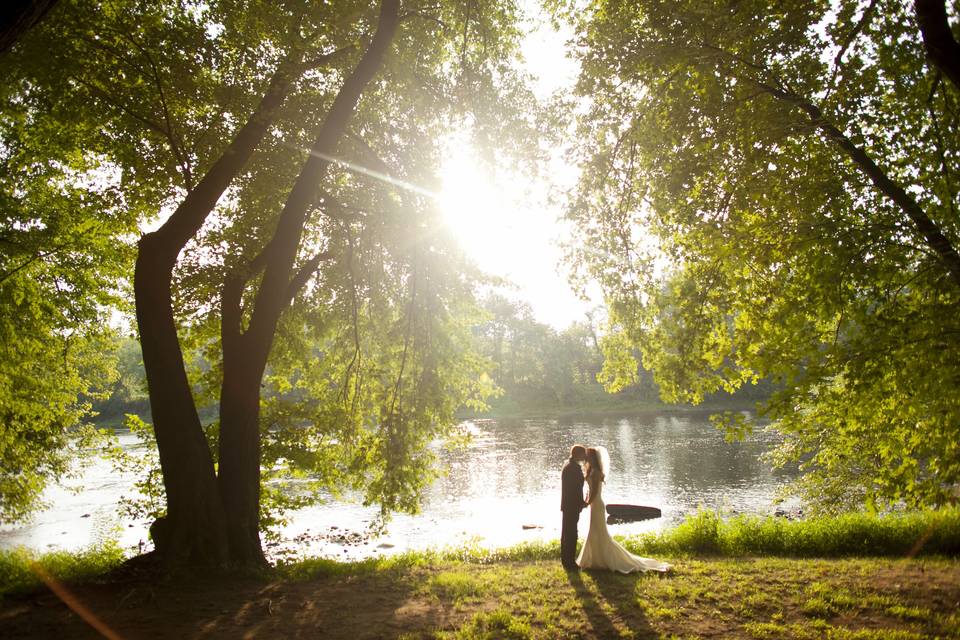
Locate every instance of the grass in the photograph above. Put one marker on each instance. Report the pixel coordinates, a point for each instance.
(21, 569)
(705, 533)
(497, 625)
(852, 577)
(856, 534)
(850, 598)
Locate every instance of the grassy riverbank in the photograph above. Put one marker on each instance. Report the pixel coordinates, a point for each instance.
(858, 577)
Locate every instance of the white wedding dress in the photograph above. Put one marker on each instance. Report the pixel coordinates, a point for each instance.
(601, 551)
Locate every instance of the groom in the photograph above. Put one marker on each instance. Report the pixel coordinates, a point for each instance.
(571, 504)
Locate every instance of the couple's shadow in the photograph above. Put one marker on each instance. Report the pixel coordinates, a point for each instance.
(618, 591)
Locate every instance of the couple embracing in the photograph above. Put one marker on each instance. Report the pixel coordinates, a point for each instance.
(600, 550)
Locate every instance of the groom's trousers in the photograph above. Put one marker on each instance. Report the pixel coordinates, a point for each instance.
(568, 538)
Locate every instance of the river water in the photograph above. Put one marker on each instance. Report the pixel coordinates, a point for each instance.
(502, 489)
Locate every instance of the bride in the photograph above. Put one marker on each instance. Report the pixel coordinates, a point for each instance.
(600, 550)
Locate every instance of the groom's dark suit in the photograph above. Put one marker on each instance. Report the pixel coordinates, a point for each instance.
(571, 503)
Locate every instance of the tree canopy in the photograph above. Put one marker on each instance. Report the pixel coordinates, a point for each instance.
(766, 193)
(772, 191)
(285, 156)
(65, 229)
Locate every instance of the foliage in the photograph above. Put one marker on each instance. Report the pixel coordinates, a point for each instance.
(128, 393)
(65, 246)
(532, 363)
(374, 354)
(540, 369)
(761, 192)
(148, 502)
(21, 569)
(854, 534)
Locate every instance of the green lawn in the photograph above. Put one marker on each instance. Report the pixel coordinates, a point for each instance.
(858, 577)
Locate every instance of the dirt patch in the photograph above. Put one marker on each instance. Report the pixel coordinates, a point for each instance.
(342, 607)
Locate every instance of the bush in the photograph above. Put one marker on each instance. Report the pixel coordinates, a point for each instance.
(856, 534)
(23, 570)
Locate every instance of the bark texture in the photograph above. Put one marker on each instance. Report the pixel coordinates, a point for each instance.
(942, 48)
(245, 352)
(19, 16)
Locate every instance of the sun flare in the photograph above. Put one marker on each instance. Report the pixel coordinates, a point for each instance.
(501, 219)
(474, 209)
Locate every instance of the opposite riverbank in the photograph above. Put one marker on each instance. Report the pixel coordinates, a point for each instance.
(605, 407)
(727, 582)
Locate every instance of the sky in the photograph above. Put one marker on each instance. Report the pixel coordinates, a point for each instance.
(504, 222)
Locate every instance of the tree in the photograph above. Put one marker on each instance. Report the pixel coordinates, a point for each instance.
(280, 258)
(941, 46)
(772, 192)
(63, 254)
(536, 366)
(18, 17)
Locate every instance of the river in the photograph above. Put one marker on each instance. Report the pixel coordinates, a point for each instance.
(502, 489)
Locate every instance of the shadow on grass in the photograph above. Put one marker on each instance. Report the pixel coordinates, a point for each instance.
(363, 606)
(611, 608)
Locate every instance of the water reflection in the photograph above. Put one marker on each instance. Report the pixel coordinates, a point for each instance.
(507, 479)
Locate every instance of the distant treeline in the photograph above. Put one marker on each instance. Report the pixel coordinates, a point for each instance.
(542, 370)
(537, 368)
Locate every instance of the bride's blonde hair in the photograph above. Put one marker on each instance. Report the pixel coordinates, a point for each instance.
(593, 463)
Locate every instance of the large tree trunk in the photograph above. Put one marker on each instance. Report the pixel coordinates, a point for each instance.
(942, 48)
(194, 531)
(240, 451)
(214, 520)
(18, 17)
(245, 353)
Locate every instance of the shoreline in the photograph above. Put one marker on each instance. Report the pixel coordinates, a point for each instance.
(599, 411)
(858, 577)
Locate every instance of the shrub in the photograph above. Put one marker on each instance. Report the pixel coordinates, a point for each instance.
(21, 569)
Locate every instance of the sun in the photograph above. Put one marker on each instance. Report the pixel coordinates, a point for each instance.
(503, 221)
(475, 209)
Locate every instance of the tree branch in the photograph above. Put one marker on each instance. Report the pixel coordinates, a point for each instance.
(325, 58)
(175, 146)
(931, 233)
(304, 272)
(942, 49)
(419, 14)
(187, 219)
(40, 255)
(20, 17)
(286, 239)
(940, 145)
(861, 24)
(117, 104)
(231, 311)
(371, 159)
(934, 237)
